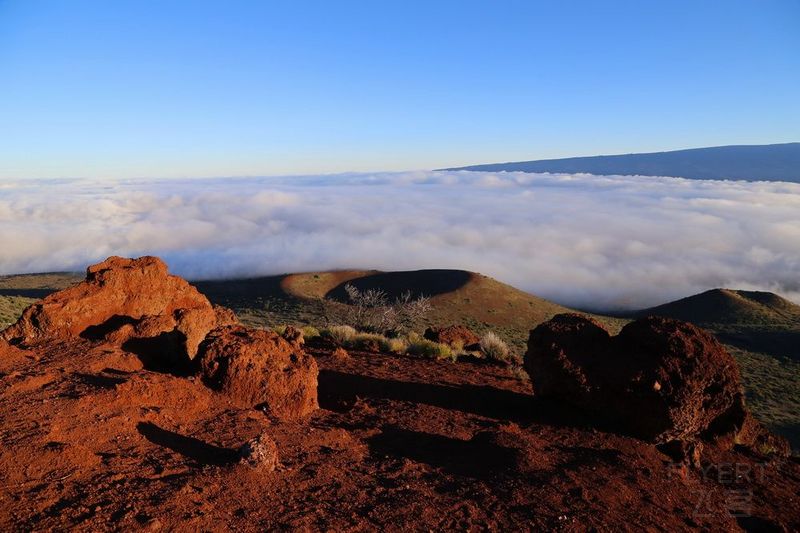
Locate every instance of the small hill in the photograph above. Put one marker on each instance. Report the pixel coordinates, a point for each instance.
(726, 306)
(771, 162)
(462, 297)
(458, 297)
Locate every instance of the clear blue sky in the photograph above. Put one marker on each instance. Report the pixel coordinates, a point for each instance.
(169, 88)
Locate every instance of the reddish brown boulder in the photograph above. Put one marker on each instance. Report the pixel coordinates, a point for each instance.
(133, 302)
(452, 336)
(260, 368)
(260, 453)
(294, 336)
(659, 379)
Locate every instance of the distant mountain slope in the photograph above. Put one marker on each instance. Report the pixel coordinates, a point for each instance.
(760, 322)
(771, 162)
(458, 297)
(463, 297)
(19, 291)
(725, 306)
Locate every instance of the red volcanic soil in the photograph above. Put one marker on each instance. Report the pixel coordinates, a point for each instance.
(96, 437)
(92, 440)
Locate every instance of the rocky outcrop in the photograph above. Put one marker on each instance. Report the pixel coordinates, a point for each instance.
(453, 336)
(660, 380)
(137, 305)
(260, 368)
(133, 303)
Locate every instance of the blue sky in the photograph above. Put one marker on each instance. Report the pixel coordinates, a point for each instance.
(128, 89)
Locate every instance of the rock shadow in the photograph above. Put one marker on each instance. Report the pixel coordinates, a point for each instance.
(339, 390)
(99, 331)
(164, 353)
(100, 381)
(189, 447)
(476, 458)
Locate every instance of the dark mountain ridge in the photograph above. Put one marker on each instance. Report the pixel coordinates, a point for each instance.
(771, 162)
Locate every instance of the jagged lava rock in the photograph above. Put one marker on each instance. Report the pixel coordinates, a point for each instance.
(260, 368)
(294, 336)
(660, 379)
(122, 300)
(452, 335)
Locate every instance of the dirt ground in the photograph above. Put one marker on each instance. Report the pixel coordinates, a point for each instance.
(92, 440)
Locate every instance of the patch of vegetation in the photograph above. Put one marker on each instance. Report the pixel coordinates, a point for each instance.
(340, 334)
(422, 347)
(372, 310)
(310, 332)
(365, 341)
(494, 347)
(11, 307)
(772, 388)
(398, 345)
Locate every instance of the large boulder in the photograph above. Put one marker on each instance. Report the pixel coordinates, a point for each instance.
(660, 379)
(134, 303)
(452, 336)
(257, 368)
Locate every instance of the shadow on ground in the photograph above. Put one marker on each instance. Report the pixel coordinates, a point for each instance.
(189, 447)
(339, 390)
(475, 458)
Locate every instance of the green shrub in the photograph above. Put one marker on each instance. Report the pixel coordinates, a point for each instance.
(396, 345)
(339, 334)
(430, 349)
(310, 332)
(494, 347)
(361, 341)
(280, 329)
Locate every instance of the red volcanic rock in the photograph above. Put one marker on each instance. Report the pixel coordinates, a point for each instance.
(659, 379)
(260, 368)
(260, 452)
(452, 335)
(294, 336)
(131, 302)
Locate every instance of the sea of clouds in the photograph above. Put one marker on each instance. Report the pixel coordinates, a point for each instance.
(583, 240)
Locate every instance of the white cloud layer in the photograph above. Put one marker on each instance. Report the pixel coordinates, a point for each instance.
(592, 241)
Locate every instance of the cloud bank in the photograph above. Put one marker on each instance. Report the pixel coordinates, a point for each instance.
(583, 240)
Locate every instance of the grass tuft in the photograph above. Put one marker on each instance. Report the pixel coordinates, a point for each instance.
(426, 348)
(339, 334)
(494, 347)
